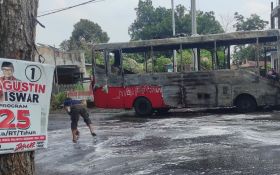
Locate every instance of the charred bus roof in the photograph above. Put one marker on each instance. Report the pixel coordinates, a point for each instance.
(199, 41)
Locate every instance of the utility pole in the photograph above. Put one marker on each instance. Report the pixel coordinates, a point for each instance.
(17, 41)
(194, 32)
(174, 33)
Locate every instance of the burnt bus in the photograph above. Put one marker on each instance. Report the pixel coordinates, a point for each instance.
(114, 85)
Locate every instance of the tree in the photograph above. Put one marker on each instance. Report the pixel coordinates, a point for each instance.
(85, 34)
(242, 53)
(17, 41)
(227, 22)
(65, 45)
(254, 22)
(144, 17)
(153, 22)
(207, 23)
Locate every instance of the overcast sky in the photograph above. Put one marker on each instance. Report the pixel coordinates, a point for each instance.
(115, 16)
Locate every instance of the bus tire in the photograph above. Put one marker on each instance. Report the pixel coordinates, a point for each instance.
(143, 106)
(246, 103)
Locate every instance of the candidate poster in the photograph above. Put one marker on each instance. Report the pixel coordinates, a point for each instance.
(25, 91)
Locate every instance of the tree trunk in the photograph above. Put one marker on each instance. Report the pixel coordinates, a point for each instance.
(17, 28)
(17, 41)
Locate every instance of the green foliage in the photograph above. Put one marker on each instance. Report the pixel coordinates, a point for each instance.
(247, 52)
(65, 45)
(79, 87)
(186, 57)
(57, 100)
(242, 53)
(89, 71)
(153, 22)
(254, 22)
(88, 54)
(268, 66)
(206, 59)
(207, 23)
(156, 23)
(205, 53)
(206, 62)
(206, 65)
(138, 57)
(162, 59)
(160, 64)
(85, 34)
(221, 59)
(132, 65)
(88, 32)
(99, 59)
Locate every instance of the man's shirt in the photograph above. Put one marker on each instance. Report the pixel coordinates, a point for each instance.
(72, 102)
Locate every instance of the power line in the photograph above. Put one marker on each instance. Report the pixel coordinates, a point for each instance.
(70, 7)
(48, 11)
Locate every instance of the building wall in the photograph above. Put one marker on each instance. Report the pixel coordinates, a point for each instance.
(57, 57)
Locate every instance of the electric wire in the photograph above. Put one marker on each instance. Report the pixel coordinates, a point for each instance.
(70, 7)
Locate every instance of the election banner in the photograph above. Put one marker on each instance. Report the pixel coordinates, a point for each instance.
(25, 91)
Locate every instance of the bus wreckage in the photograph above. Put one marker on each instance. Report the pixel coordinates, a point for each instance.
(149, 91)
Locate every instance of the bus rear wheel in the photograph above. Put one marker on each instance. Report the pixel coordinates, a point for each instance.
(143, 107)
(246, 104)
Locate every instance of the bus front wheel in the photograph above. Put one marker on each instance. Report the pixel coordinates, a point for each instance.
(246, 104)
(143, 107)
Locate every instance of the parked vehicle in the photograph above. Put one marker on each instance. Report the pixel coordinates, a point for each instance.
(148, 92)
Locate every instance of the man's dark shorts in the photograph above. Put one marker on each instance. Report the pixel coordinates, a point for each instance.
(75, 113)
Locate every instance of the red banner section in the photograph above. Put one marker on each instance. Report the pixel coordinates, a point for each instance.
(22, 139)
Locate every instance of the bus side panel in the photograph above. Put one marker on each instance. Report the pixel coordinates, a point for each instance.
(115, 97)
(172, 96)
(100, 98)
(109, 98)
(152, 93)
(199, 89)
(268, 92)
(115, 91)
(201, 96)
(224, 95)
(246, 82)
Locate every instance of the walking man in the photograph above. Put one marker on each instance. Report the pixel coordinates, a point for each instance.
(75, 108)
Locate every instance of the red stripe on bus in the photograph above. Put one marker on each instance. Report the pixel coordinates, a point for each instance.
(124, 97)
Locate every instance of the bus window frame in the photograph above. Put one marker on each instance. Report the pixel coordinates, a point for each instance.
(209, 41)
(118, 67)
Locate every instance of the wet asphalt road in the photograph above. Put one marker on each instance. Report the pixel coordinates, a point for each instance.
(178, 143)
